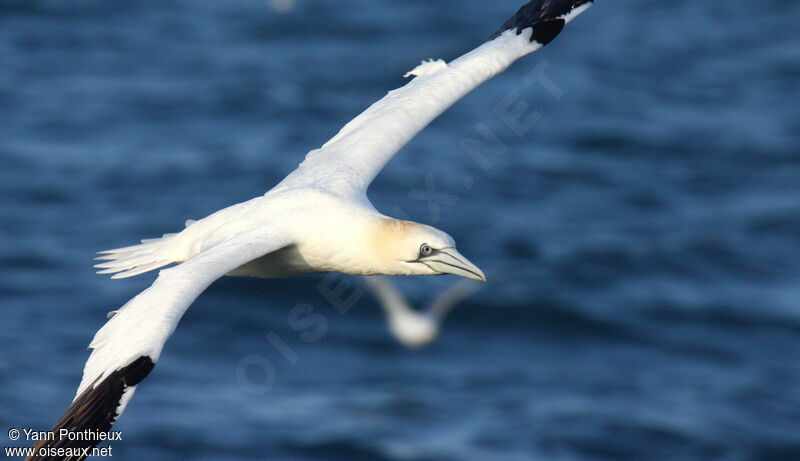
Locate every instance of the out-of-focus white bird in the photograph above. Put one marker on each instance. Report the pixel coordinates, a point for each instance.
(318, 219)
(410, 327)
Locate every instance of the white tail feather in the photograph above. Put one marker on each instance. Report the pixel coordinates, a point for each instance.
(140, 269)
(137, 259)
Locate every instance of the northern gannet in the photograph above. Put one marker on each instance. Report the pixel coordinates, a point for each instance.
(411, 328)
(318, 219)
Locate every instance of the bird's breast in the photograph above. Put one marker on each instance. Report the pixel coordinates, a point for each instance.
(285, 262)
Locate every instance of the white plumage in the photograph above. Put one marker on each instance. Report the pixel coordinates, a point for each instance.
(320, 210)
(318, 219)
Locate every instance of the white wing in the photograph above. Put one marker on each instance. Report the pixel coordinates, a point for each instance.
(453, 295)
(388, 296)
(349, 162)
(126, 348)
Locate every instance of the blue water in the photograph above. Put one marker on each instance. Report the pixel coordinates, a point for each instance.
(642, 238)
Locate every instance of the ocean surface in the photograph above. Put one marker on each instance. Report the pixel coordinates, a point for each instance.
(640, 231)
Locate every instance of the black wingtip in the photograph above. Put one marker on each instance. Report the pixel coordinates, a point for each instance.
(94, 410)
(545, 17)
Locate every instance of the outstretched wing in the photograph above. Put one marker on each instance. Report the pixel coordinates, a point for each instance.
(349, 162)
(127, 347)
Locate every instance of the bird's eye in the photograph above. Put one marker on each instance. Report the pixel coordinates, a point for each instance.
(425, 250)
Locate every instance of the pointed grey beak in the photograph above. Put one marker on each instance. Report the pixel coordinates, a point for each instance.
(450, 261)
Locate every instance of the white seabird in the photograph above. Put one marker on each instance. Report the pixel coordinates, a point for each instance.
(411, 328)
(318, 219)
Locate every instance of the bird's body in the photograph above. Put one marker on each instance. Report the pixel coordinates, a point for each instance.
(325, 229)
(329, 234)
(318, 219)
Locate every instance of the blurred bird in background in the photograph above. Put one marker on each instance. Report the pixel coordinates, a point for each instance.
(412, 328)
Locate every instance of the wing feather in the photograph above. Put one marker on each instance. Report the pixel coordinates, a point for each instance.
(143, 324)
(349, 162)
(126, 348)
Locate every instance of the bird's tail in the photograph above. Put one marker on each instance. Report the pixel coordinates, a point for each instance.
(134, 260)
(149, 255)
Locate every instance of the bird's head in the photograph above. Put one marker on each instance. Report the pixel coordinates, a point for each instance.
(409, 248)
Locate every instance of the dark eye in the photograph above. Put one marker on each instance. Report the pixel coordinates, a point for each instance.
(425, 250)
